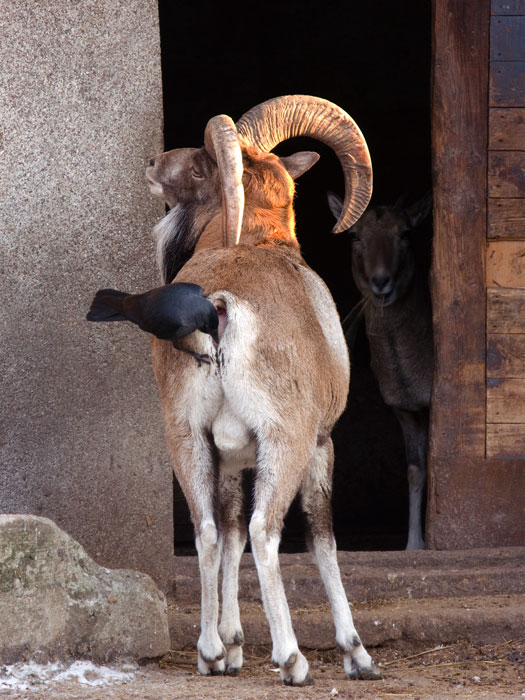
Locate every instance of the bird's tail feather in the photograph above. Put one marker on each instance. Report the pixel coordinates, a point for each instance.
(107, 306)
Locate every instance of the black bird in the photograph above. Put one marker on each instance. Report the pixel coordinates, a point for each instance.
(169, 312)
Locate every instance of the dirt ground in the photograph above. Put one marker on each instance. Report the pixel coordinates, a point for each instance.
(459, 670)
(411, 669)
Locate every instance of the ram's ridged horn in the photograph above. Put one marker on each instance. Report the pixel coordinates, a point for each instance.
(281, 118)
(222, 143)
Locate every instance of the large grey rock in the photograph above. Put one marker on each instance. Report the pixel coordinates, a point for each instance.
(81, 114)
(56, 602)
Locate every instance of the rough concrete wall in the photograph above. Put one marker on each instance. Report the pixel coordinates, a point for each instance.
(81, 435)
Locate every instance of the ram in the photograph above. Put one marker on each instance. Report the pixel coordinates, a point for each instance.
(390, 267)
(278, 377)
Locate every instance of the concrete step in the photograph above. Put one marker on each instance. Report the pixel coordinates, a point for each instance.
(379, 576)
(430, 621)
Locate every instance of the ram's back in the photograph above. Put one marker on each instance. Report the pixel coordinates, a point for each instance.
(282, 342)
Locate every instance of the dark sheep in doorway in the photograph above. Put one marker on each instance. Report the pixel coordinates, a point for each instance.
(398, 318)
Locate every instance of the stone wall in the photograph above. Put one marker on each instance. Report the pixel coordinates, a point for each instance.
(81, 435)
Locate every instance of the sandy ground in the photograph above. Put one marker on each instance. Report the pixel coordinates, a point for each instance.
(411, 670)
(459, 670)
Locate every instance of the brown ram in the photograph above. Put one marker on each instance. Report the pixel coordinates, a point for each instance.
(279, 375)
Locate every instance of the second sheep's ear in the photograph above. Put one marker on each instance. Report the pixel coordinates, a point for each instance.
(335, 203)
(299, 163)
(419, 211)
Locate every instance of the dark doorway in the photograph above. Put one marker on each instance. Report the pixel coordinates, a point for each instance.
(372, 59)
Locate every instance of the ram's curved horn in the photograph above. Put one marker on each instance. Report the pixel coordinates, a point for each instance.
(221, 141)
(281, 118)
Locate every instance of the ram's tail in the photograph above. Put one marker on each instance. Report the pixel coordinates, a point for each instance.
(107, 306)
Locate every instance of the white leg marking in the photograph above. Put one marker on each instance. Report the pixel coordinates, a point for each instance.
(416, 492)
(315, 491)
(230, 629)
(210, 647)
(357, 661)
(286, 654)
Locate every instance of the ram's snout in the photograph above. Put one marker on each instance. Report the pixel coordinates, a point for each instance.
(154, 184)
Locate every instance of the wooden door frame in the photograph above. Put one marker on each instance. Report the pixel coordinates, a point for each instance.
(472, 500)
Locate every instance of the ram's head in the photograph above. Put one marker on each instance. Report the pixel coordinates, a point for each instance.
(236, 162)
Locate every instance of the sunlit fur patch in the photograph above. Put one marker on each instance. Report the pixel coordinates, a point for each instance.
(269, 186)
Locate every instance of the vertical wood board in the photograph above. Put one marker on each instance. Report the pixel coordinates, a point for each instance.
(506, 401)
(506, 218)
(507, 84)
(506, 264)
(507, 129)
(506, 174)
(459, 140)
(505, 310)
(507, 39)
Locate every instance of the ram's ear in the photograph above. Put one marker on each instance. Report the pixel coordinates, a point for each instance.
(299, 163)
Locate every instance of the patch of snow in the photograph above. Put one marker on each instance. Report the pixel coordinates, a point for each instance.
(31, 675)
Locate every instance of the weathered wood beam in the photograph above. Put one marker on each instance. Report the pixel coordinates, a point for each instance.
(459, 140)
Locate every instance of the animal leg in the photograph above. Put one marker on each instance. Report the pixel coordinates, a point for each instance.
(316, 491)
(277, 481)
(414, 425)
(233, 536)
(198, 485)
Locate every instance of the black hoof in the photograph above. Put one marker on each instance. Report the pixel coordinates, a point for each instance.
(232, 671)
(307, 681)
(365, 674)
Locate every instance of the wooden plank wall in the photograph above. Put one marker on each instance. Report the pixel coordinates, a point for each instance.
(505, 262)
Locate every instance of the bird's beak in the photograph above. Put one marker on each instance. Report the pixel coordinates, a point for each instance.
(215, 335)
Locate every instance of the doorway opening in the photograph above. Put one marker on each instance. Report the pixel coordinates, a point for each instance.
(374, 61)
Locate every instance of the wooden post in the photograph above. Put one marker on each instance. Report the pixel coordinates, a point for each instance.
(459, 141)
(476, 455)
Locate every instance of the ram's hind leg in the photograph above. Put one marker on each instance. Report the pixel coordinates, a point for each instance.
(279, 475)
(194, 468)
(316, 491)
(233, 534)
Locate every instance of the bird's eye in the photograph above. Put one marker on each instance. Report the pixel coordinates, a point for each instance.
(196, 174)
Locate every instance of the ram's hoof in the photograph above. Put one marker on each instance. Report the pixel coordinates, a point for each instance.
(364, 673)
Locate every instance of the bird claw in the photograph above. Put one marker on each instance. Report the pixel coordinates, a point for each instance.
(201, 358)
